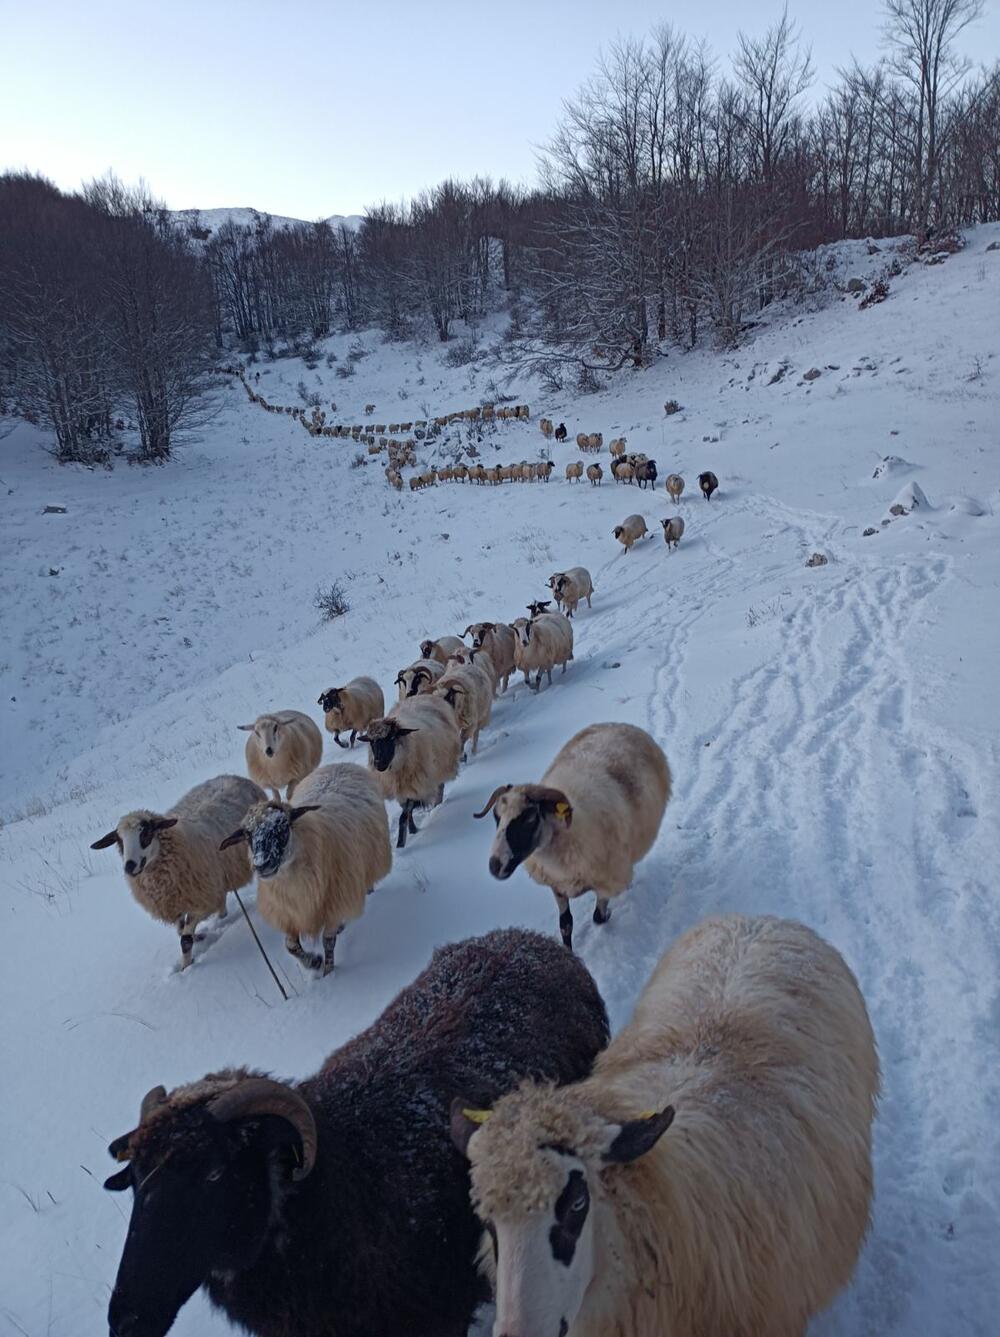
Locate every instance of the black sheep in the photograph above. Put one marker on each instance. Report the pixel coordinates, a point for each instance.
(339, 1205)
(708, 483)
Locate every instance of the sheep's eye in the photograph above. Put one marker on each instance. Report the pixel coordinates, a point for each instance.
(215, 1174)
(579, 1205)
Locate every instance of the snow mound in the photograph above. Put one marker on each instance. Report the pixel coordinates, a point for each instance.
(892, 464)
(967, 505)
(912, 498)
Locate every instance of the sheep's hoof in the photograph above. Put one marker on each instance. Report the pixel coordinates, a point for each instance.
(312, 961)
(602, 912)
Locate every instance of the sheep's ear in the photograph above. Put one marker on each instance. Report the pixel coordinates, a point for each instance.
(121, 1180)
(164, 823)
(634, 1138)
(296, 813)
(465, 1120)
(401, 733)
(363, 738)
(247, 728)
(110, 839)
(234, 839)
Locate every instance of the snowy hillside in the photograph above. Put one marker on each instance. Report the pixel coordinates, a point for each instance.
(832, 730)
(213, 219)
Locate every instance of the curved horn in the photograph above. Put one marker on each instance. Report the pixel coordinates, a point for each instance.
(152, 1100)
(501, 789)
(263, 1095)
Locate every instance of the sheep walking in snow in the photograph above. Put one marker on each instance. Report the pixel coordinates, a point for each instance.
(675, 486)
(596, 474)
(631, 530)
(414, 750)
(584, 827)
(469, 688)
(419, 678)
(673, 530)
(317, 861)
(574, 471)
(543, 643)
(442, 649)
(751, 1044)
(561, 433)
(352, 707)
(338, 1204)
(172, 862)
(708, 484)
(498, 640)
(570, 587)
(283, 747)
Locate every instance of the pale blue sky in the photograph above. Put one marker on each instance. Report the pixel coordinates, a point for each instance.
(309, 108)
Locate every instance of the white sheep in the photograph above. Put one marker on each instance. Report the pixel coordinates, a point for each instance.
(570, 587)
(574, 470)
(596, 474)
(675, 486)
(542, 643)
(418, 678)
(172, 862)
(470, 655)
(593, 816)
(283, 747)
(468, 688)
(498, 640)
(751, 1043)
(673, 530)
(317, 861)
(631, 530)
(414, 750)
(442, 649)
(352, 707)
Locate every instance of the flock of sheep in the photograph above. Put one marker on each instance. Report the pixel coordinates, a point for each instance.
(707, 1171)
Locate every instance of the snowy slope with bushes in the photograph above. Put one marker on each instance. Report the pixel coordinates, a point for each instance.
(832, 731)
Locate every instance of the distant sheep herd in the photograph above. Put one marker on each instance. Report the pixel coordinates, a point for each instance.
(708, 1171)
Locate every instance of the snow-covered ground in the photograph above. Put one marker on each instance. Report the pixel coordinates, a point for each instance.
(832, 732)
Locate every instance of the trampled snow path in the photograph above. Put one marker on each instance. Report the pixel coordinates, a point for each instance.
(832, 733)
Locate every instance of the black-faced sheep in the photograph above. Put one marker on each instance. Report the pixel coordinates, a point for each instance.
(419, 678)
(338, 1204)
(352, 707)
(543, 643)
(316, 862)
(283, 747)
(631, 530)
(172, 862)
(752, 1045)
(596, 474)
(442, 649)
(584, 827)
(498, 640)
(561, 433)
(645, 473)
(570, 587)
(469, 689)
(414, 750)
(708, 484)
(673, 530)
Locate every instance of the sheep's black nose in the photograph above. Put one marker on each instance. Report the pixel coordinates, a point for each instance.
(130, 866)
(495, 866)
(269, 751)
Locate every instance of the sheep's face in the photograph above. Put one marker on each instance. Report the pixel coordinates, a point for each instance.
(478, 632)
(383, 738)
(527, 817)
(138, 838)
(269, 831)
(267, 731)
(522, 629)
(330, 700)
(535, 1166)
(413, 681)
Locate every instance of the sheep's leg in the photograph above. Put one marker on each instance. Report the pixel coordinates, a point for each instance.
(602, 910)
(548, 674)
(354, 737)
(401, 837)
(475, 742)
(336, 739)
(290, 790)
(275, 793)
(311, 960)
(187, 941)
(437, 802)
(565, 919)
(329, 942)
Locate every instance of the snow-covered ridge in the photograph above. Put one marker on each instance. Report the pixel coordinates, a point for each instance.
(212, 219)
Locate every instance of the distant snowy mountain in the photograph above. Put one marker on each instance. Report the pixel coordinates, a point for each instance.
(212, 219)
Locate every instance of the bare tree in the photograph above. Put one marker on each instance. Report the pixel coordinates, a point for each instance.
(921, 35)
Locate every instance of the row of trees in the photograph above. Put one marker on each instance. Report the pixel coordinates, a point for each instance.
(105, 314)
(674, 202)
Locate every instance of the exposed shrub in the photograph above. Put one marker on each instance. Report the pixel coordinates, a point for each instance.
(331, 601)
(460, 353)
(344, 370)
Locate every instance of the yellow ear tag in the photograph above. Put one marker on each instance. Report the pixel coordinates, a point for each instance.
(477, 1116)
(648, 1114)
(562, 811)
